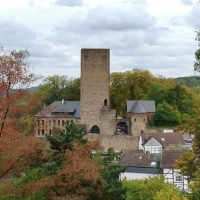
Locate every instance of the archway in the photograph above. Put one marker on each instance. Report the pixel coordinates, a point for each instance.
(95, 129)
(122, 128)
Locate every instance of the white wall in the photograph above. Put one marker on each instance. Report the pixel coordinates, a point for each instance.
(170, 176)
(133, 176)
(153, 146)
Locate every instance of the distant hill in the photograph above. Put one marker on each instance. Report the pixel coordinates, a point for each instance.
(190, 81)
(32, 89)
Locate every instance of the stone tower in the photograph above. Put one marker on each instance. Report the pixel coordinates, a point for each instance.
(138, 119)
(95, 82)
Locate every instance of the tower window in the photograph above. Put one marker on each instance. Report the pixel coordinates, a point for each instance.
(95, 129)
(105, 102)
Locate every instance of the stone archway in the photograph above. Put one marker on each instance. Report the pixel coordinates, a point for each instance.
(122, 128)
(95, 129)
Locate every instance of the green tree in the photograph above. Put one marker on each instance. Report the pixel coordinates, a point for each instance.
(197, 55)
(151, 189)
(63, 141)
(129, 85)
(167, 115)
(57, 87)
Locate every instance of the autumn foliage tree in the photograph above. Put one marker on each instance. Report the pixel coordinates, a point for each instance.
(15, 75)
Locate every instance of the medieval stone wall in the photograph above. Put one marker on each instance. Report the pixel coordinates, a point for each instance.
(117, 142)
(108, 122)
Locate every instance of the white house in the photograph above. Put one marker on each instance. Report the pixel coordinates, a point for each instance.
(155, 143)
(170, 173)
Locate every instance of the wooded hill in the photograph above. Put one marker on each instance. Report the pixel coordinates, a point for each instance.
(190, 81)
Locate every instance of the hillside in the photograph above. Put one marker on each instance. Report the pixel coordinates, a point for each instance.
(190, 81)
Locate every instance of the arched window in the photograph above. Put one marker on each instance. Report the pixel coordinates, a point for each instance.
(105, 102)
(95, 129)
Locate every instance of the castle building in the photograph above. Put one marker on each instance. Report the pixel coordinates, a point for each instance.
(94, 110)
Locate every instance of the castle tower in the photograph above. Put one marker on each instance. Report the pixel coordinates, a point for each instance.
(138, 119)
(95, 82)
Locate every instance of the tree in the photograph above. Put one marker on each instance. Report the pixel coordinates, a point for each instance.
(14, 76)
(153, 188)
(167, 115)
(187, 164)
(78, 178)
(197, 55)
(129, 85)
(63, 141)
(58, 87)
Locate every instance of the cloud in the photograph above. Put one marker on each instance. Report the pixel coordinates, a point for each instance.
(187, 2)
(15, 35)
(134, 36)
(70, 3)
(193, 18)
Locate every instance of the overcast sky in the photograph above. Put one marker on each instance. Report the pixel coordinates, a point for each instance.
(158, 35)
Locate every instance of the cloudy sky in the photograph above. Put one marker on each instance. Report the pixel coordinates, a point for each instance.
(158, 35)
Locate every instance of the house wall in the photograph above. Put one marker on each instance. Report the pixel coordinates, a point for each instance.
(140, 144)
(47, 125)
(153, 146)
(170, 175)
(133, 176)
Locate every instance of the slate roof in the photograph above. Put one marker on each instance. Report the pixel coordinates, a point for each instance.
(169, 158)
(68, 108)
(138, 108)
(141, 106)
(137, 158)
(165, 139)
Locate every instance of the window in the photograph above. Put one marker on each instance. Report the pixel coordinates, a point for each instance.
(49, 131)
(49, 122)
(95, 129)
(178, 177)
(38, 131)
(105, 102)
(38, 122)
(135, 119)
(58, 122)
(54, 122)
(42, 132)
(42, 122)
(63, 122)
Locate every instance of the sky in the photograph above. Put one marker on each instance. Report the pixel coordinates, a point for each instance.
(156, 35)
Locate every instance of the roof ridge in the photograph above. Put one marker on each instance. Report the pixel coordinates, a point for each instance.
(138, 108)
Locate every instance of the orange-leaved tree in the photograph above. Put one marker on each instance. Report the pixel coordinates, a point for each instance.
(15, 76)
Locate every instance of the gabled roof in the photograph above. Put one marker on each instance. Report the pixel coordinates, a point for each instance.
(71, 108)
(169, 158)
(138, 108)
(141, 106)
(137, 158)
(165, 139)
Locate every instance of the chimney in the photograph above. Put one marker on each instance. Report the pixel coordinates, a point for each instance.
(63, 101)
